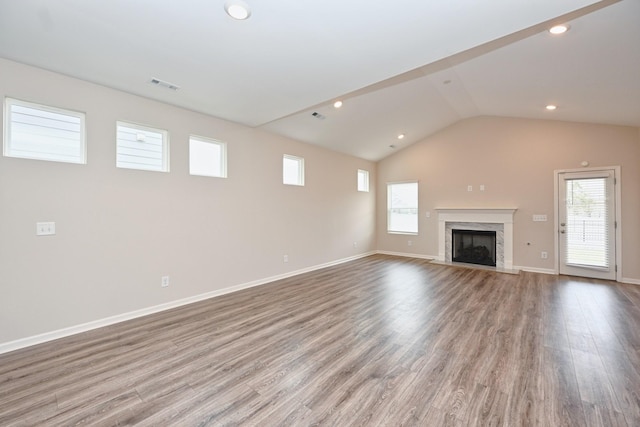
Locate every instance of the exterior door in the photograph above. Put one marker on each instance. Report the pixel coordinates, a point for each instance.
(587, 221)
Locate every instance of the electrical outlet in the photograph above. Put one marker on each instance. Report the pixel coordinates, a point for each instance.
(164, 282)
(544, 255)
(45, 228)
(410, 243)
(285, 258)
(469, 187)
(355, 244)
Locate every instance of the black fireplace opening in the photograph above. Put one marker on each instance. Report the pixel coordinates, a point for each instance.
(474, 247)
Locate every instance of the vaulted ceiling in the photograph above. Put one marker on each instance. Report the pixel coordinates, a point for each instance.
(407, 67)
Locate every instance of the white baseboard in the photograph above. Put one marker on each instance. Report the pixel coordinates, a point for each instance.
(407, 255)
(537, 270)
(554, 272)
(433, 258)
(65, 332)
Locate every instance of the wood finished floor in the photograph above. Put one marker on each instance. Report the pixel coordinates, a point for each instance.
(377, 341)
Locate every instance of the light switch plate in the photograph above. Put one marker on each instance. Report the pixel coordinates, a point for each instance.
(539, 218)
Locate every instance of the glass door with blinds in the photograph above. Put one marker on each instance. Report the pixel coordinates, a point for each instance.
(586, 219)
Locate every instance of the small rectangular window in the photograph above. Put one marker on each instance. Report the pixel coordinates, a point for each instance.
(207, 157)
(40, 132)
(402, 208)
(142, 147)
(363, 180)
(292, 170)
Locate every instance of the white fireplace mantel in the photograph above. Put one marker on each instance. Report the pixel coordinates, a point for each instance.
(502, 216)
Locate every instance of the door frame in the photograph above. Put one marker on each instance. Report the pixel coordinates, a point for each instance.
(617, 207)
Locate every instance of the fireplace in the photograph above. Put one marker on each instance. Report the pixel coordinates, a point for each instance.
(499, 220)
(474, 247)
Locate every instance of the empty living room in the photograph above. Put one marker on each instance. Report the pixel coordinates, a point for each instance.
(336, 213)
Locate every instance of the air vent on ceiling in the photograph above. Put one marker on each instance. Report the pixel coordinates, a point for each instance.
(317, 115)
(164, 84)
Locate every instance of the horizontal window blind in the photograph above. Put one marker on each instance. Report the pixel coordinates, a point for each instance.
(587, 221)
(140, 147)
(44, 133)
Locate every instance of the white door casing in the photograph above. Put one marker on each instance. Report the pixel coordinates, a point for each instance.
(587, 223)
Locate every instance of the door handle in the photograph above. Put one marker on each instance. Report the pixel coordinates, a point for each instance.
(562, 224)
(562, 231)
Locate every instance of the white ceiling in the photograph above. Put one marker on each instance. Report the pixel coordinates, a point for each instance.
(388, 61)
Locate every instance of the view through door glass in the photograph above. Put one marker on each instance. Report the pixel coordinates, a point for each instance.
(587, 225)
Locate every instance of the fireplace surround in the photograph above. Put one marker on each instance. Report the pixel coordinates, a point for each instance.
(499, 220)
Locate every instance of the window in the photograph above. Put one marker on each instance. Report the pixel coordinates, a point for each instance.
(207, 157)
(292, 170)
(402, 208)
(587, 219)
(363, 180)
(141, 147)
(44, 133)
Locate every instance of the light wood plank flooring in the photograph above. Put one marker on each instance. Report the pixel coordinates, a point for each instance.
(381, 341)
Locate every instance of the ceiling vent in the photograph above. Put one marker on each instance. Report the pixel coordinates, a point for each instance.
(164, 84)
(318, 115)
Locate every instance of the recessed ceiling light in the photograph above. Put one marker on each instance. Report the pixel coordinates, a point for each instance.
(337, 104)
(559, 29)
(237, 9)
(551, 107)
(401, 136)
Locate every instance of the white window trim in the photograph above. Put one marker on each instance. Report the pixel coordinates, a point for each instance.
(223, 155)
(408, 233)
(300, 161)
(165, 144)
(7, 149)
